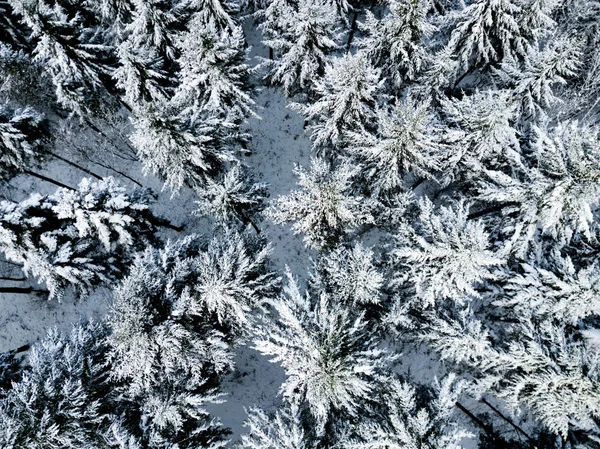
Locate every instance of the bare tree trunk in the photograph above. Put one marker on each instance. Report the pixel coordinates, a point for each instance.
(116, 171)
(489, 210)
(73, 164)
(22, 290)
(474, 418)
(50, 180)
(271, 56)
(499, 413)
(352, 30)
(161, 222)
(246, 220)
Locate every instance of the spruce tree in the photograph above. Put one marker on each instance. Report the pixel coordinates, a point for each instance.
(332, 364)
(444, 256)
(408, 140)
(214, 78)
(79, 238)
(233, 197)
(346, 98)
(21, 132)
(71, 48)
(325, 208)
(302, 47)
(395, 43)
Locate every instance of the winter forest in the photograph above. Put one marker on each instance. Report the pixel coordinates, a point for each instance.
(299, 224)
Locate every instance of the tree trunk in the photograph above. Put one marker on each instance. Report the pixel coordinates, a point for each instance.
(4, 278)
(163, 223)
(22, 290)
(271, 56)
(499, 413)
(20, 349)
(50, 180)
(474, 418)
(246, 219)
(116, 171)
(73, 164)
(489, 210)
(352, 30)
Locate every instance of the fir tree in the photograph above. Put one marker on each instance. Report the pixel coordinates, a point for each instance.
(215, 14)
(232, 197)
(214, 75)
(177, 154)
(80, 238)
(181, 308)
(325, 208)
(395, 43)
(346, 100)
(302, 47)
(12, 31)
(487, 32)
(141, 75)
(21, 132)
(559, 292)
(57, 403)
(444, 256)
(407, 140)
(414, 422)
(281, 430)
(352, 274)
(557, 195)
(333, 365)
(482, 133)
(533, 84)
(71, 49)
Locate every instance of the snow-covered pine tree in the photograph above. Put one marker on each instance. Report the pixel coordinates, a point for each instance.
(12, 31)
(176, 153)
(20, 133)
(302, 48)
(351, 274)
(543, 69)
(274, 17)
(333, 365)
(147, 51)
(153, 25)
(280, 430)
(70, 47)
(346, 101)
(413, 420)
(482, 134)
(141, 75)
(408, 140)
(233, 197)
(557, 195)
(325, 208)
(181, 307)
(214, 79)
(558, 292)
(395, 43)
(58, 401)
(80, 238)
(486, 32)
(215, 14)
(554, 375)
(444, 256)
